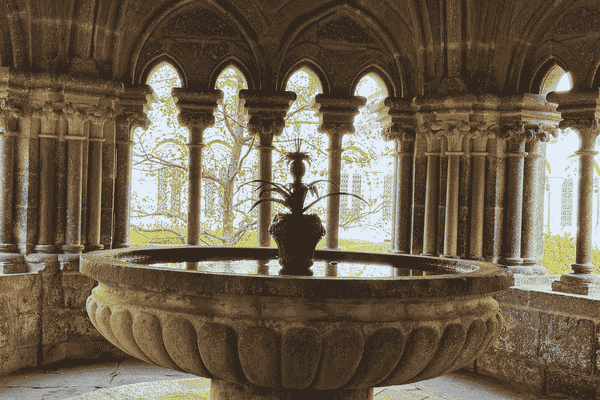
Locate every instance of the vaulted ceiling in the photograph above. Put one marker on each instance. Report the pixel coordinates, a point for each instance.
(493, 46)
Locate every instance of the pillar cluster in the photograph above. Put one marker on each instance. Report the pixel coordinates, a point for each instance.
(57, 140)
(580, 112)
(467, 182)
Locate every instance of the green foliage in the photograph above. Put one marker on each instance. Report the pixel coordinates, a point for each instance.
(559, 254)
(230, 157)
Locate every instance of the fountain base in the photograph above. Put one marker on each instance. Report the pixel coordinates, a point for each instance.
(222, 390)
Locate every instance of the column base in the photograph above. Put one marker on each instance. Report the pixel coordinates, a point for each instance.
(72, 248)
(44, 248)
(221, 390)
(13, 263)
(511, 261)
(452, 256)
(527, 269)
(583, 284)
(426, 255)
(121, 245)
(397, 252)
(95, 247)
(69, 262)
(531, 261)
(8, 248)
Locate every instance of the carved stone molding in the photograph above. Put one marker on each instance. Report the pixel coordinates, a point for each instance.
(196, 109)
(337, 113)
(400, 116)
(454, 132)
(481, 133)
(267, 111)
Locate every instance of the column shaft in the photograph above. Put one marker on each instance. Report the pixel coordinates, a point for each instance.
(265, 154)
(60, 200)
(108, 186)
(431, 205)
(7, 148)
(514, 207)
(122, 194)
(45, 243)
(477, 206)
(583, 257)
(333, 204)
(403, 206)
(74, 175)
(94, 192)
(195, 185)
(451, 226)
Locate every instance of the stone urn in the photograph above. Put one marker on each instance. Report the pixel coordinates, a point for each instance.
(271, 337)
(296, 233)
(296, 237)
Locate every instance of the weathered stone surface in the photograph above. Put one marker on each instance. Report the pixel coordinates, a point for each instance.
(574, 386)
(521, 333)
(567, 342)
(510, 369)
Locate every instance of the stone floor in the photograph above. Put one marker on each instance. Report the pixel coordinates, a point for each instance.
(135, 379)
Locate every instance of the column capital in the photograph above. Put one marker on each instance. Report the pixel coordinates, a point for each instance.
(76, 117)
(337, 113)
(454, 131)
(267, 110)
(481, 133)
(131, 105)
(432, 136)
(196, 109)
(400, 116)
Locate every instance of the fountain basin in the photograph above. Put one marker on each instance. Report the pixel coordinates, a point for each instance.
(261, 336)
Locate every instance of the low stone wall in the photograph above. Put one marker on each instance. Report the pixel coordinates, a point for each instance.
(43, 319)
(550, 344)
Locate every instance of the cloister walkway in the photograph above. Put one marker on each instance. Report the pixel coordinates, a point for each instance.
(132, 379)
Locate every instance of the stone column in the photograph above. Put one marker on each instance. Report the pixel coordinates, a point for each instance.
(125, 124)
(401, 240)
(98, 117)
(49, 117)
(400, 113)
(76, 137)
(267, 119)
(431, 192)
(337, 119)
(536, 273)
(196, 112)
(579, 111)
(10, 259)
(133, 102)
(108, 185)
(454, 133)
(478, 191)
(60, 196)
(516, 137)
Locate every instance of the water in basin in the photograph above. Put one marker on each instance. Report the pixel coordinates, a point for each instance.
(321, 268)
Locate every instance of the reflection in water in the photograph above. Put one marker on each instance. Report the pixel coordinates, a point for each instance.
(321, 268)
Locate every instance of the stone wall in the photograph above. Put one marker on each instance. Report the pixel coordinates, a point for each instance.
(550, 344)
(43, 319)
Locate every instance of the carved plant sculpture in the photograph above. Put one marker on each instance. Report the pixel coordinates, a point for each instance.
(296, 234)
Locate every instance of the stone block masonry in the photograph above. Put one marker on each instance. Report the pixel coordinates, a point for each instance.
(550, 343)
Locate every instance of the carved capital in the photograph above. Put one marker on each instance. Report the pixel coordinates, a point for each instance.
(200, 120)
(337, 113)
(432, 136)
(481, 133)
(587, 129)
(76, 117)
(398, 132)
(517, 134)
(267, 111)
(454, 131)
(99, 115)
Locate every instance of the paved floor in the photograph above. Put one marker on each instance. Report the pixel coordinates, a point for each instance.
(135, 379)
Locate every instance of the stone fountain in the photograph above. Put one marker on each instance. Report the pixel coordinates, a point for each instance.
(353, 322)
(332, 335)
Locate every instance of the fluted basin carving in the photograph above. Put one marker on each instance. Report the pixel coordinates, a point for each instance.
(263, 336)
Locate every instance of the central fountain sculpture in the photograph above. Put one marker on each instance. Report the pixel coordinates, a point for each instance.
(330, 334)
